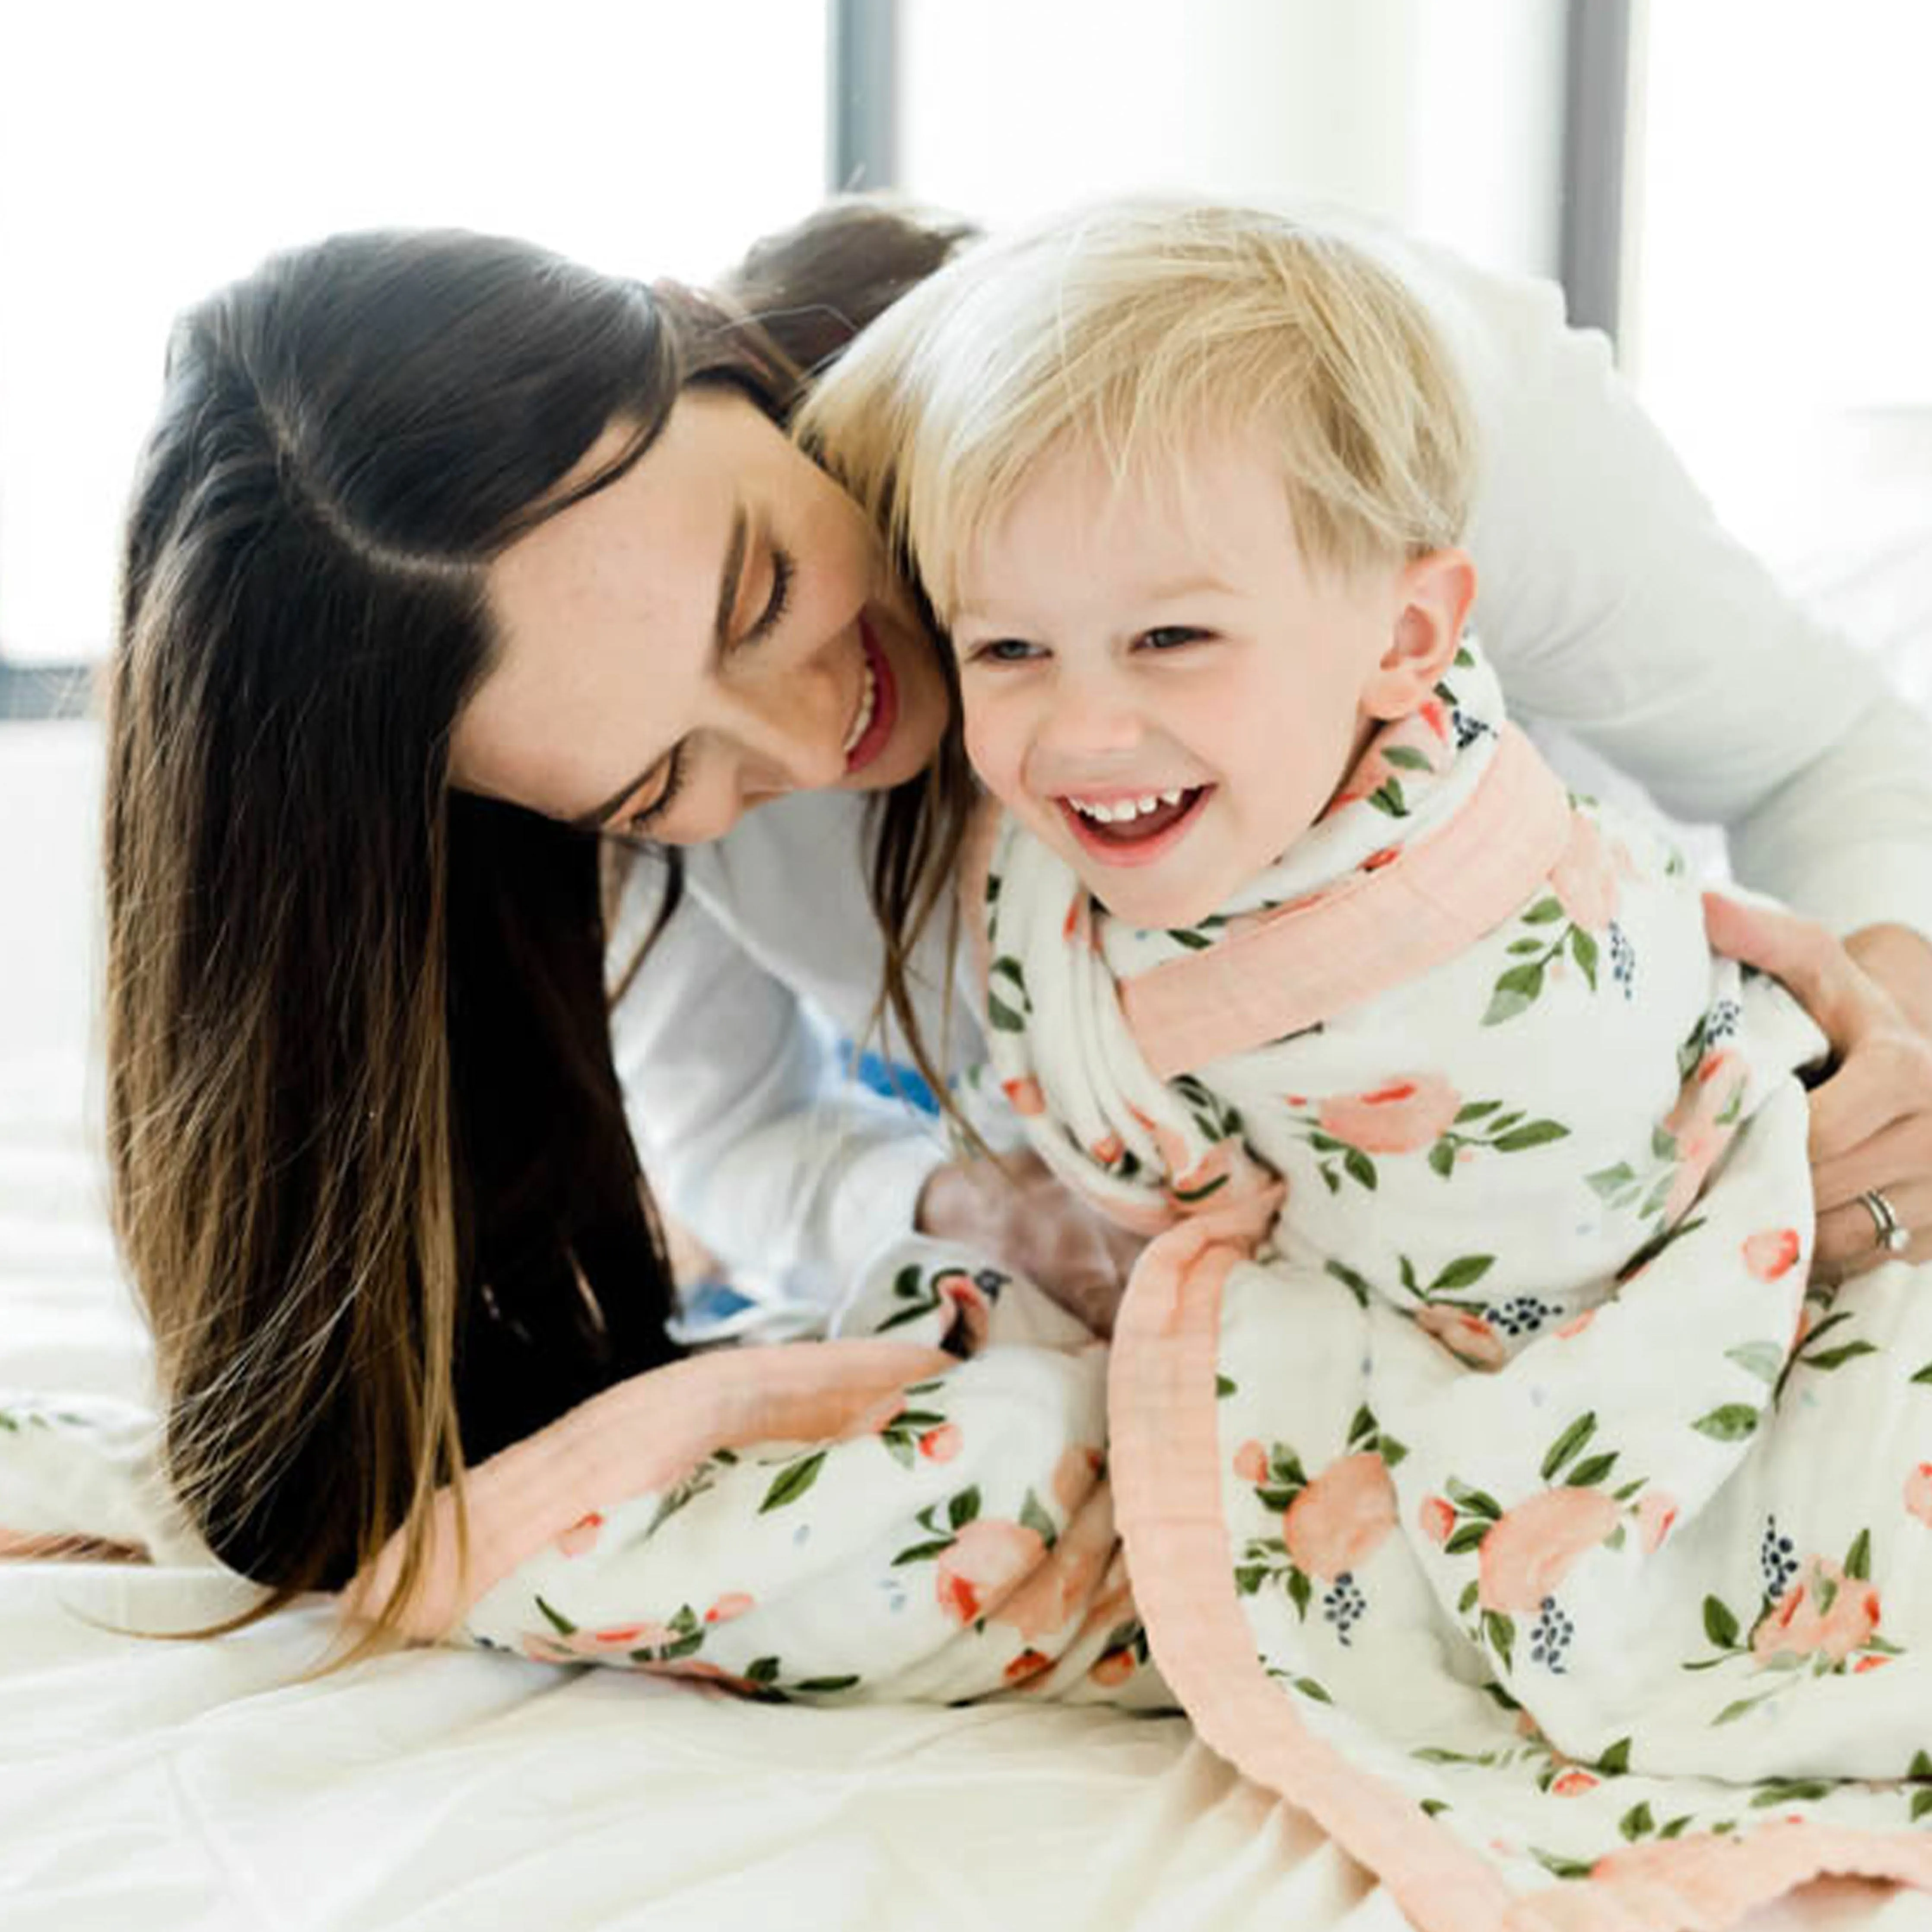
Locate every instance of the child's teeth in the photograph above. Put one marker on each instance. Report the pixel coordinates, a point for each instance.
(1170, 798)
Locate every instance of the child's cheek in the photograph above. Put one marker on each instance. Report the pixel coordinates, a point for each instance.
(995, 744)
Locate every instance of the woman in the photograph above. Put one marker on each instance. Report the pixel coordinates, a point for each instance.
(444, 554)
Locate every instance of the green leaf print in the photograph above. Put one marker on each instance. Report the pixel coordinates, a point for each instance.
(1591, 1471)
(1224, 1388)
(1637, 1823)
(1569, 1443)
(793, 1481)
(1731, 1423)
(1857, 1558)
(923, 1552)
(1474, 1502)
(1361, 1169)
(1537, 1133)
(557, 1621)
(1386, 797)
(1464, 1537)
(1516, 992)
(1614, 1762)
(1463, 1272)
(1501, 1632)
(1001, 1017)
(1545, 912)
(1583, 950)
(1720, 1625)
(1789, 1791)
(1034, 1518)
(823, 1687)
(965, 1508)
(1921, 1803)
(1923, 1376)
(1761, 1359)
(1299, 1592)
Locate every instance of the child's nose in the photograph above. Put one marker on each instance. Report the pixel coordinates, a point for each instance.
(1089, 717)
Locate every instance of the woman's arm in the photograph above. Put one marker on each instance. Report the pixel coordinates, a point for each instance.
(745, 1129)
(1616, 605)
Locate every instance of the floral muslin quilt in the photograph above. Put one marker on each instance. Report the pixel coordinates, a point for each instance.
(1471, 1460)
(1494, 1487)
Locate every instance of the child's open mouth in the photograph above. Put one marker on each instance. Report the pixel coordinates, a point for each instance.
(1127, 830)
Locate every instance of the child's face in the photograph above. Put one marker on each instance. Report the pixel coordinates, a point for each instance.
(1116, 649)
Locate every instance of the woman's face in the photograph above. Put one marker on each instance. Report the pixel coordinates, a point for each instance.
(716, 628)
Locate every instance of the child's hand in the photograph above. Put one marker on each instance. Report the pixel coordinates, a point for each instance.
(1871, 1120)
(1020, 1216)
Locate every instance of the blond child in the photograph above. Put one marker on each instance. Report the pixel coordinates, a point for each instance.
(1480, 1185)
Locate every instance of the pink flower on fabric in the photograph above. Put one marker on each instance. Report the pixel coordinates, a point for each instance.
(1576, 1324)
(1528, 1553)
(940, 1444)
(1876, 1662)
(1025, 1096)
(1409, 1112)
(1572, 1784)
(1436, 1518)
(1028, 1664)
(1919, 1494)
(1656, 1511)
(1584, 879)
(1114, 1669)
(1251, 1461)
(972, 1311)
(1773, 1253)
(707, 1672)
(1822, 1613)
(1465, 1334)
(580, 1538)
(986, 1561)
(1341, 1518)
(733, 1604)
(1711, 1091)
(1107, 1150)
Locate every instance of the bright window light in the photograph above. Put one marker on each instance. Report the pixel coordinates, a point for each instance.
(148, 153)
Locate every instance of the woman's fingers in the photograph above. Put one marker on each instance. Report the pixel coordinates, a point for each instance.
(1885, 1082)
(1871, 1120)
(1848, 1243)
(1806, 956)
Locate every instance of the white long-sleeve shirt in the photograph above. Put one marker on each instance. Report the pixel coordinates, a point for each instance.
(1621, 617)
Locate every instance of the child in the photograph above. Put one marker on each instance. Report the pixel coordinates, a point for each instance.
(1292, 945)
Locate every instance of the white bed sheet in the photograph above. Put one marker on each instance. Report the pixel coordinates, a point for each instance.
(203, 1787)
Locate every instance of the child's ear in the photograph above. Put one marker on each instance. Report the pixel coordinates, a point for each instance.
(1433, 593)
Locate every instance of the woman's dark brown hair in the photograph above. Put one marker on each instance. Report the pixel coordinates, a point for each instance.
(371, 1170)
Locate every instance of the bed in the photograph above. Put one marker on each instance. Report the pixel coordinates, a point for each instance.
(214, 1785)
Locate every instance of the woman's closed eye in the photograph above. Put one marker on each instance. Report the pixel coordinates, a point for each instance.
(778, 600)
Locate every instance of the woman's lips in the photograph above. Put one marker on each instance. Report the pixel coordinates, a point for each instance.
(1121, 844)
(872, 740)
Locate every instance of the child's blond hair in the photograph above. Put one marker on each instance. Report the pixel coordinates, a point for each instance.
(1133, 329)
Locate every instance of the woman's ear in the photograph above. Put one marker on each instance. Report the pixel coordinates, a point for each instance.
(1433, 593)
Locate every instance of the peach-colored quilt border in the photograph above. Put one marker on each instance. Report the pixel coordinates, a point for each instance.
(1165, 1461)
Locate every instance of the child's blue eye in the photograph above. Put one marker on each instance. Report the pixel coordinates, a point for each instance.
(1005, 650)
(1170, 637)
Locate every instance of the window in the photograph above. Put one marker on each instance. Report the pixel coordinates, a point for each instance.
(148, 154)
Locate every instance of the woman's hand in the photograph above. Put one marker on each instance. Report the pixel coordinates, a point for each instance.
(1871, 1119)
(1017, 1212)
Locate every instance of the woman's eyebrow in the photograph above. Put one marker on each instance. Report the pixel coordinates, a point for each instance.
(730, 577)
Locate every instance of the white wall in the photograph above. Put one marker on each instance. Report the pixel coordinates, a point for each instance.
(1444, 115)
